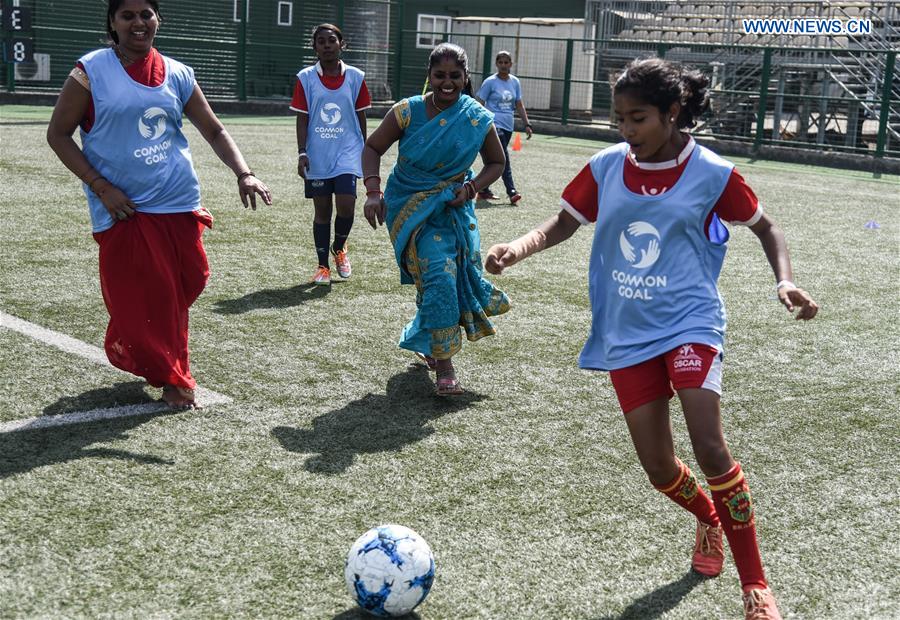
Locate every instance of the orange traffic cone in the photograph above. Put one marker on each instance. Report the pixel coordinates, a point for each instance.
(517, 142)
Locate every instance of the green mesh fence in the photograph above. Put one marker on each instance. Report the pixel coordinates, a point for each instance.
(842, 97)
(238, 48)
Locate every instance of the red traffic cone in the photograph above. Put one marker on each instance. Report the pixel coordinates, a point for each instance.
(517, 142)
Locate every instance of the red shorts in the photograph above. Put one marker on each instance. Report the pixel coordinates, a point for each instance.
(688, 366)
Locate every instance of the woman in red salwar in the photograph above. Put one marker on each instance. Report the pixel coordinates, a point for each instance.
(142, 191)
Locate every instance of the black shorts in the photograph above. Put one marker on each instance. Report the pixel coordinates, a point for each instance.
(341, 184)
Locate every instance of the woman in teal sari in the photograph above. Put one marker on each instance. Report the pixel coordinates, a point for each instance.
(428, 206)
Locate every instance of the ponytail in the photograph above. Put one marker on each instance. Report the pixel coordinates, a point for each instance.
(661, 83)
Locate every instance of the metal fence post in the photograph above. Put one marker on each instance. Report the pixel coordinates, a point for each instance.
(763, 93)
(488, 52)
(885, 104)
(398, 58)
(242, 53)
(567, 84)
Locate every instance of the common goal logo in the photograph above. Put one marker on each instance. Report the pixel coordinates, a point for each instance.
(644, 235)
(640, 245)
(152, 124)
(330, 113)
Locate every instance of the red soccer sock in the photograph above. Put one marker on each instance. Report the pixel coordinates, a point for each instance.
(684, 491)
(731, 496)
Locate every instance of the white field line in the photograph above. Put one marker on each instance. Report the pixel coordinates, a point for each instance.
(98, 356)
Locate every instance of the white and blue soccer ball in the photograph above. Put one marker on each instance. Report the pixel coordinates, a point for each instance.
(389, 570)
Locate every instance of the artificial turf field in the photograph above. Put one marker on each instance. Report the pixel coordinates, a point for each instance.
(527, 488)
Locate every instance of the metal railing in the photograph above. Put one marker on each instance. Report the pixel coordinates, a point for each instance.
(844, 96)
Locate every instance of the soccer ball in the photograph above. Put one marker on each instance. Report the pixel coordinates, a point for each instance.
(389, 570)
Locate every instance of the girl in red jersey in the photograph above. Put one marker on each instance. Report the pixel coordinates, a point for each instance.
(331, 99)
(129, 101)
(659, 200)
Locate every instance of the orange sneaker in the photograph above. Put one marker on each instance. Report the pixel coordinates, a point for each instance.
(759, 604)
(709, 550)
(342, 263)
(322, 276)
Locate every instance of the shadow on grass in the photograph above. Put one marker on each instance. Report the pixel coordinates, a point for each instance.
(497, 204)
(273, 298)
(374, 423)
(24, 450)
(125, 393)
(358, 614)
(661, 600)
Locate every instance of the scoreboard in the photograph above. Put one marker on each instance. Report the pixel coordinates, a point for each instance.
(18, 46)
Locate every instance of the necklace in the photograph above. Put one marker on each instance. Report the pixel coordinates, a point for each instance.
(123, 58)
(436, 106)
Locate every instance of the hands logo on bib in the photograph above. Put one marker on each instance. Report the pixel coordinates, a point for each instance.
(152, 124)
(330, 113)
(649, 254)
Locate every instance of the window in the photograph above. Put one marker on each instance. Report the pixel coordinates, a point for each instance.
(236, 12)
(285, 13)
(429, 24)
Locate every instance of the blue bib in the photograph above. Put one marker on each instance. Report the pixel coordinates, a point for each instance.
(334, 141)
(653, 271)
(136, 141)
(500, 97)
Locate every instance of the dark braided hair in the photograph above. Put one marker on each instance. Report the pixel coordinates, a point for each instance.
(449, 51)
(661, 83)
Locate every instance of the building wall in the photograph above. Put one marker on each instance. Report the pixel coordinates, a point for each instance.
(415, 60)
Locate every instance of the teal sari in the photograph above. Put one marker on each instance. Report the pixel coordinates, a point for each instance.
(438, 247)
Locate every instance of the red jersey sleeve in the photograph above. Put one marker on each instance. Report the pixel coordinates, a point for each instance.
(363, 100)
(581, 195)
(738, 204)
(298, 101)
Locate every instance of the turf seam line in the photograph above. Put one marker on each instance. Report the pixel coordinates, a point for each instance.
(98, 356)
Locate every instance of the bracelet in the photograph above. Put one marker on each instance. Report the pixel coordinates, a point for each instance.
(301, 152)
(244, 175)
(469, 185)
(375, 191)
(785, 284)
(529, 125)
(372, 176)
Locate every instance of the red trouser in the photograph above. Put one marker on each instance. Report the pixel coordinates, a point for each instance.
(152, 268)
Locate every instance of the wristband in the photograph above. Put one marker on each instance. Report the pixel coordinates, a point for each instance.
(785, 284)
(375, 191)
(528, 244)
(529, 125)
(244, 175)
(301, 153)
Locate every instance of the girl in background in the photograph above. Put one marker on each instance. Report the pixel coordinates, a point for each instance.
(658, 200)
(501, 93)
(331, 99)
